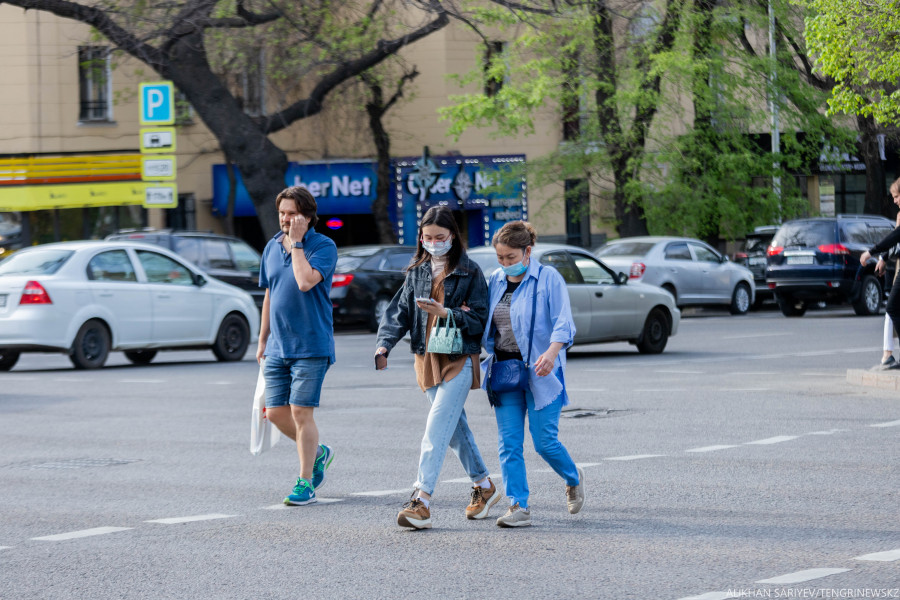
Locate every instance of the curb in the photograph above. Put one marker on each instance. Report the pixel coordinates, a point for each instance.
(885, 380)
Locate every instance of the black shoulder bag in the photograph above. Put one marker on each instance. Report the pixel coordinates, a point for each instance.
(512, 375)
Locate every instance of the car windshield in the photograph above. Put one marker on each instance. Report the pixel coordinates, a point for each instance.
(35, 262)
(757, 244)
(486, 260)
(352, 258)
(805, 234)
(625, 249)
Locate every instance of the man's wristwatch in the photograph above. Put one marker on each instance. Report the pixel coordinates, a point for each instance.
(298, 245)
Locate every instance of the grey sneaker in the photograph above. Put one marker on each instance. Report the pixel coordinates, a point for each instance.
(889, 363)
(516, 516)
(575, 494)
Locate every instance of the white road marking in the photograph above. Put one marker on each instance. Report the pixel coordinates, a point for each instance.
(679, 371)
(219, 382)
(587, 465)
(888, 424)
(711, 596)
(384, 492)
(710, 448)
(773, 440)
(634, 457)
(141, 381)
(753, 335)
(70, 380)
(659, 390)
(177, 520)
(887, 556)
(284, 506)
(815, 353)
(801, 576)
(755, 373)
(5, 547)
(14, 378)
(80, 534)
(811, 374)
(745, 389)
(586, 390)
(829, 432)
(467, 480)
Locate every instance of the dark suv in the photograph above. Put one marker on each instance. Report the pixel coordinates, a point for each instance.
(226, 258)
(817, 260)
(753, 256)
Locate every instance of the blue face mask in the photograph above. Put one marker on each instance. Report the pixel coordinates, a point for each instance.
(515, 270)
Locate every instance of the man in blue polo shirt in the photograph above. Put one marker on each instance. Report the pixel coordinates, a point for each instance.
(296, 334)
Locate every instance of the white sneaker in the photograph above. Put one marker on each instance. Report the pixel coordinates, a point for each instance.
(516, 516)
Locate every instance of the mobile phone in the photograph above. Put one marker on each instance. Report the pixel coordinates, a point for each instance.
(380, 362)
(427, 300)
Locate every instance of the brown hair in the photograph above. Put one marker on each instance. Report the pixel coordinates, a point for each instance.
(442, 217)
(306, 204)
(895, 187)
(516, 234)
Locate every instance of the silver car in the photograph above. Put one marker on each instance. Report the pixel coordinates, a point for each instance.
(606, 307)
(689, 269)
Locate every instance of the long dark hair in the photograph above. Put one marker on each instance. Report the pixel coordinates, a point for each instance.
(442, 217)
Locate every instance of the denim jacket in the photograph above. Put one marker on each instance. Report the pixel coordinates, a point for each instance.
(553, 323)
(465, 284)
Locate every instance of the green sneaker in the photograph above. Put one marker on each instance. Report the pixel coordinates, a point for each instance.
(321, 465)
(303, 494)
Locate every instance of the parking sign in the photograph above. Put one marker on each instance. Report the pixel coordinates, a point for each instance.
(157, 103)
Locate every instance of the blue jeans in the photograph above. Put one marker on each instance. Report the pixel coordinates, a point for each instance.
(544, 427)
(294, 381)
(447, 426)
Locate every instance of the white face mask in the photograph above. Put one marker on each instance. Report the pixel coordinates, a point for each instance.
(438, 248)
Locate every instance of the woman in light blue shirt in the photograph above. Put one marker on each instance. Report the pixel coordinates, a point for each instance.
(512, 292)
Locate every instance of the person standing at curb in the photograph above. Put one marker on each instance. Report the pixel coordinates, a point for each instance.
(441, 282)
(296, 334)
(887, 358)
(517, 330)
(893, 238)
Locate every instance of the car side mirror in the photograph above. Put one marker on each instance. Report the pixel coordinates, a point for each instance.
(621, 278)
(199, 280)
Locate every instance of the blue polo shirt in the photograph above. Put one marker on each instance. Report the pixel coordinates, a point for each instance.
(301, 323)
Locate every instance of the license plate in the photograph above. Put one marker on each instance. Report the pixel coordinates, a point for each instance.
(758, 260)
(2, 300)
(801, 260)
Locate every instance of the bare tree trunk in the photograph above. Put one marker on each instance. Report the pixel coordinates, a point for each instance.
(375, 108)
(876, 191)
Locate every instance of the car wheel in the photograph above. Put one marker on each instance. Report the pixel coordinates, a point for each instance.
(791, 307)
(91, 346)
(740, 299)
(869, 302)
(140, 357)
(381, 305)
(232, 339)
(655, 334)
(8, 359)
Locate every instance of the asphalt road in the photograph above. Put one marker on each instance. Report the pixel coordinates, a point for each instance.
(739, 463)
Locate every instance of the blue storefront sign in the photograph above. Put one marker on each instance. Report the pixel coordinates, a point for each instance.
(490, 189)
(340, 188)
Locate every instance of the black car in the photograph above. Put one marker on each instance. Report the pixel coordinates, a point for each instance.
(817, 260)
(753, 256)
(226, 258)
(365, 279)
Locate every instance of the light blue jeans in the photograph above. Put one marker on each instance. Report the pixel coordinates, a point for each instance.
(447, 426)
(544, 427)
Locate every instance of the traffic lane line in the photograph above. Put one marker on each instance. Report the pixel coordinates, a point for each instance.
(772, 440)
(177, 520)
(59, 537)
(887, 556)
(712, 448)
(802, 576)
(634, 457)
(382, 492)
(284, 506)
(888, 424)
(710, 596)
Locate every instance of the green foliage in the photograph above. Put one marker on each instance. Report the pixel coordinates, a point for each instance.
(858, 45)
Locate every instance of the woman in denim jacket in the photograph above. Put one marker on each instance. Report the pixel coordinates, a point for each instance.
(512, 290)
(442, 273)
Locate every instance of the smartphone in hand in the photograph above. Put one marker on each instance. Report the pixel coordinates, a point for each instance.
(380, 362)
(425, 300)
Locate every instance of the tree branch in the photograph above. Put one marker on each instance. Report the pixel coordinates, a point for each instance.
(313, 104)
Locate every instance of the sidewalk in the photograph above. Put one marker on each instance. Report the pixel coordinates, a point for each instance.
(875, 377)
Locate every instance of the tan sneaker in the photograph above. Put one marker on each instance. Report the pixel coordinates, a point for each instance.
(415, 514)
(575, 494)
(516, 516)
(482, 501)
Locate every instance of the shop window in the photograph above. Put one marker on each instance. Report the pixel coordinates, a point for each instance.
(94, 83)
(184, 216)
(492, 83)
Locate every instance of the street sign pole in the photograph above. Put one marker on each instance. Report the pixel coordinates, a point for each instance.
(157, 108)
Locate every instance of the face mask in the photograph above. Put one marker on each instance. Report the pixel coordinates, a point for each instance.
(438, 248)
(515, 270)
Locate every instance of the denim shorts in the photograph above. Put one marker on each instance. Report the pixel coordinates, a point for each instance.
(294, 381)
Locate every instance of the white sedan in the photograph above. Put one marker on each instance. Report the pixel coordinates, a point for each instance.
(606, 307)
(88, 298)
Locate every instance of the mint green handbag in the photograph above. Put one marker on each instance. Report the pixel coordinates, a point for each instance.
(446, 339)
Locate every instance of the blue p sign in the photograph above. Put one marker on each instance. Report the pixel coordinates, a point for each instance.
(157, 103)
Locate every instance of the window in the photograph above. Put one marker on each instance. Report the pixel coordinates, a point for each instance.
(562, 263)
(856, 233)
(397, 261)
(189, 248)
(678, 251)
(628, 249)
(94, 82)
(492, 81)
(35, 262)
(592, 271)
(704, 254)
(162, 269)
(246, 257)
(111, 266)
(217, 255)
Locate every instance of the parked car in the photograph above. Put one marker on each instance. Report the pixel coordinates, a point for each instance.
(753, 256)
(365, 280)
(606, 306)
(226, 258)
(89, 298)
(690, 270)
(817, 260)
(10, 232)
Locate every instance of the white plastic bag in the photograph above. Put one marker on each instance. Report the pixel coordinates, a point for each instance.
(263, 435)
